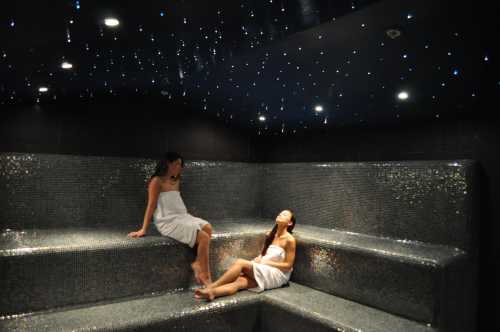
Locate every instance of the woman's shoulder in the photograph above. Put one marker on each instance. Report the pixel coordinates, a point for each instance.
(155, 180)
(163, 184)
(290, 239)
(155, 184)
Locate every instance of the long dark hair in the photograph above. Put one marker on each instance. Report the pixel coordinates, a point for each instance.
(162, 165)
(270, 237)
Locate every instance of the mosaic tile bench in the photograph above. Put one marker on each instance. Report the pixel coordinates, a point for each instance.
(382, 246)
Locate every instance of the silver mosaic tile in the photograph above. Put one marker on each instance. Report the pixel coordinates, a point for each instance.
(391, 235)
(293, 308)
(47, 191)
(330, 313)
(427, 201)
(85, 265)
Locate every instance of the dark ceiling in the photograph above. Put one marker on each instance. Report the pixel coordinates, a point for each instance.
(298, 63)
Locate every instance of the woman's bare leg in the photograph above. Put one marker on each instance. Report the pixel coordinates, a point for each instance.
(241, 282)
(238, 267)
(208, 229)
(200, 265)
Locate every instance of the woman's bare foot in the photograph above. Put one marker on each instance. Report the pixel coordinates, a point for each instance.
(204, 293)
(205, 279)
(197, 294)
(197, 272)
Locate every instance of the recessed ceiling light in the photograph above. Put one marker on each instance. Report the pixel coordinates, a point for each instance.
(318, 108)
(403, 95)
(66, 65)
(111, 22)
(262, 118)
(43, 89)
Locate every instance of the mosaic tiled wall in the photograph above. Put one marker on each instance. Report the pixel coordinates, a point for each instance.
(429, 201)
(44, 190)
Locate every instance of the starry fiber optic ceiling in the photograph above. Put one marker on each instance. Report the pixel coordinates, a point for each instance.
(271, 65)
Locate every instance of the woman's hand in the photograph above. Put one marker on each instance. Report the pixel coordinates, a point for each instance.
(258, 259)
(139, 233)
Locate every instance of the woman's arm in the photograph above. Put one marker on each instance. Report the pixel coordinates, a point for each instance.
(153, 192)
(287, 264)
(283, 266)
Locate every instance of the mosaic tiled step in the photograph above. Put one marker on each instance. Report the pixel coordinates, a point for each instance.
(410, 279)
(307, 309)
(43, 269)
(420, 281)
(293, 308)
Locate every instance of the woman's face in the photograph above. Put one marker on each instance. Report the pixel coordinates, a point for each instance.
(175, 167)
(285, 218)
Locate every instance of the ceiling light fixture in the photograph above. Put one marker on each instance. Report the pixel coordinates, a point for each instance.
(66, 65)
(111, 22)
(318, 108)
(403, 95)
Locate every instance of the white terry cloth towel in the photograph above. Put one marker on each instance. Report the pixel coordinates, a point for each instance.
(268, 277)
(172, 219)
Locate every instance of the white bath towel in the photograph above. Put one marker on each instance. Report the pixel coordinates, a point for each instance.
(266, 276)
(172, 219)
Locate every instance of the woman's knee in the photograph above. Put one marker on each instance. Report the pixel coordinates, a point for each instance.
(239, 261)
(207, 229)
(202, 237)
(242, 262)
(242, 283)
